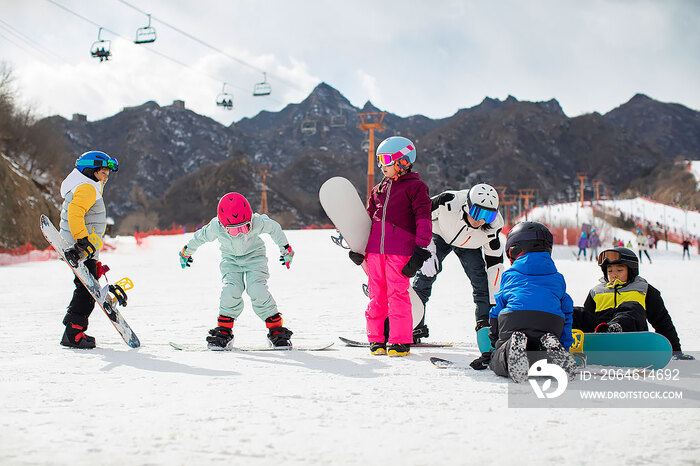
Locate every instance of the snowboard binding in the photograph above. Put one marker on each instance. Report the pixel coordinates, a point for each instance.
(77, 253)
(118, 291)
(340, 241)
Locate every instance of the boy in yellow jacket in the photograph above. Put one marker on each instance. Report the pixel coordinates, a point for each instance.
(83, 222)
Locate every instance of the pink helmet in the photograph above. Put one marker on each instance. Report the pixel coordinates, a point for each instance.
(234, 209)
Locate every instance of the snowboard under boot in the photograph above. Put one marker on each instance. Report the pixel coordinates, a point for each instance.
(558, 355)
(279, 336)
(518, 364)
(221, 337)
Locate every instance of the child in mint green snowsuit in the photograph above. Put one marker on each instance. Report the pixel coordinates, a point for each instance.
(243, 266)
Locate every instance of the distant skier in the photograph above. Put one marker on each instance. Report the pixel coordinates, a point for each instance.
(686, 248)
(83, 223)
(467, 223)
(593, 244)
(623, 301)
(642, 245)
(243, 266)
(533, 312)
(399, 207)
(582, 245)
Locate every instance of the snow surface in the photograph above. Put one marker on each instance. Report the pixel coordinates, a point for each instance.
(155, 405)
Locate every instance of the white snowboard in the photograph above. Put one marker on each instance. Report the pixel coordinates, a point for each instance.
(346, 210)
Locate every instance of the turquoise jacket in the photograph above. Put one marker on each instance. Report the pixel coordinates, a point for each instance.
(241, 249)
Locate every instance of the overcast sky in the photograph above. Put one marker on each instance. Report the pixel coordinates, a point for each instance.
(406, 56)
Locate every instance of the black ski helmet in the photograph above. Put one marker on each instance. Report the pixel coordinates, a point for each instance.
(528, 237)
(622, 256)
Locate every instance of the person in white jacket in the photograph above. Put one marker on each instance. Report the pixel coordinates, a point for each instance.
(642, 245)
(468, 223)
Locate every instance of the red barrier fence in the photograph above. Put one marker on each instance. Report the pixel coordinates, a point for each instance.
(174, 230)
(26, 253)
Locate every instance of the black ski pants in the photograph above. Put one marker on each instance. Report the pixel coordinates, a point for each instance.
(83, 303)
(474, 266)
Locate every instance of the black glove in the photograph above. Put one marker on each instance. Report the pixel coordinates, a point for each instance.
(82, 249)
(356, 257)
(482, 362)
(419, 256)
(440, 199)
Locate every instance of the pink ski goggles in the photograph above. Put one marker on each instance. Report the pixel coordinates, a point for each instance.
(386, 158)
(241, 229)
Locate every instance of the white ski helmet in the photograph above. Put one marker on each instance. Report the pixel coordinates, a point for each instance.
(482, 203)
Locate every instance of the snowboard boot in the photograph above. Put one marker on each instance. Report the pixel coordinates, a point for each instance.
(518, 364)
(421, 331)
(399, 349)
(278, 335)
(377, 348)
(481, 323)
(221, 337)
(74, 337)
(615, 328)
(605, 327)
(558, 355)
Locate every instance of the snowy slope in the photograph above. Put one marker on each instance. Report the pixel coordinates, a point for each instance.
(572, 214)
(695, 170)
(154, 405)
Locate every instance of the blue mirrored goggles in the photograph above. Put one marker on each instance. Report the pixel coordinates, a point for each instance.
(110, 163)
(480, 213)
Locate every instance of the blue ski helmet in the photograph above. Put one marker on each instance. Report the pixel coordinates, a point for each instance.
(398, 151)
(95, 159)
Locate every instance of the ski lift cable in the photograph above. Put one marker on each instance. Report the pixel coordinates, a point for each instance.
(31, 42)
(151, 50)
(33, 48)
(23, 47)
(216, 49)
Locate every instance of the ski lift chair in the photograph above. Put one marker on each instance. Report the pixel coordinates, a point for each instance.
(101, 48)
(146, 34)
(365, 145)
(224, 99)
(338, 121)
(308, 127)
(263, 88)
(433, 169)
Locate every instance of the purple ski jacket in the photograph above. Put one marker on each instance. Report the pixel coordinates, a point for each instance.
(400, 213)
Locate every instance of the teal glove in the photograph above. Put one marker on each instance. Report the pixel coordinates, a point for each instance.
(286, 256)
(185, 258)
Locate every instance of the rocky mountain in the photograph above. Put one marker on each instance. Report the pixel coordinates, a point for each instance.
(22, 201)
(174, 164)
(155, 146)
(671, 129)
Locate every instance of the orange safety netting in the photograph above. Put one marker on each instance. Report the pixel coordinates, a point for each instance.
(174, 230)
(26, 253)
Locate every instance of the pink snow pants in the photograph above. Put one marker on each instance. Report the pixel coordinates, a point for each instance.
(388, 297)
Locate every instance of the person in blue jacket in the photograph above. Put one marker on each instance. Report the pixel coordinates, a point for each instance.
(533, 312)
